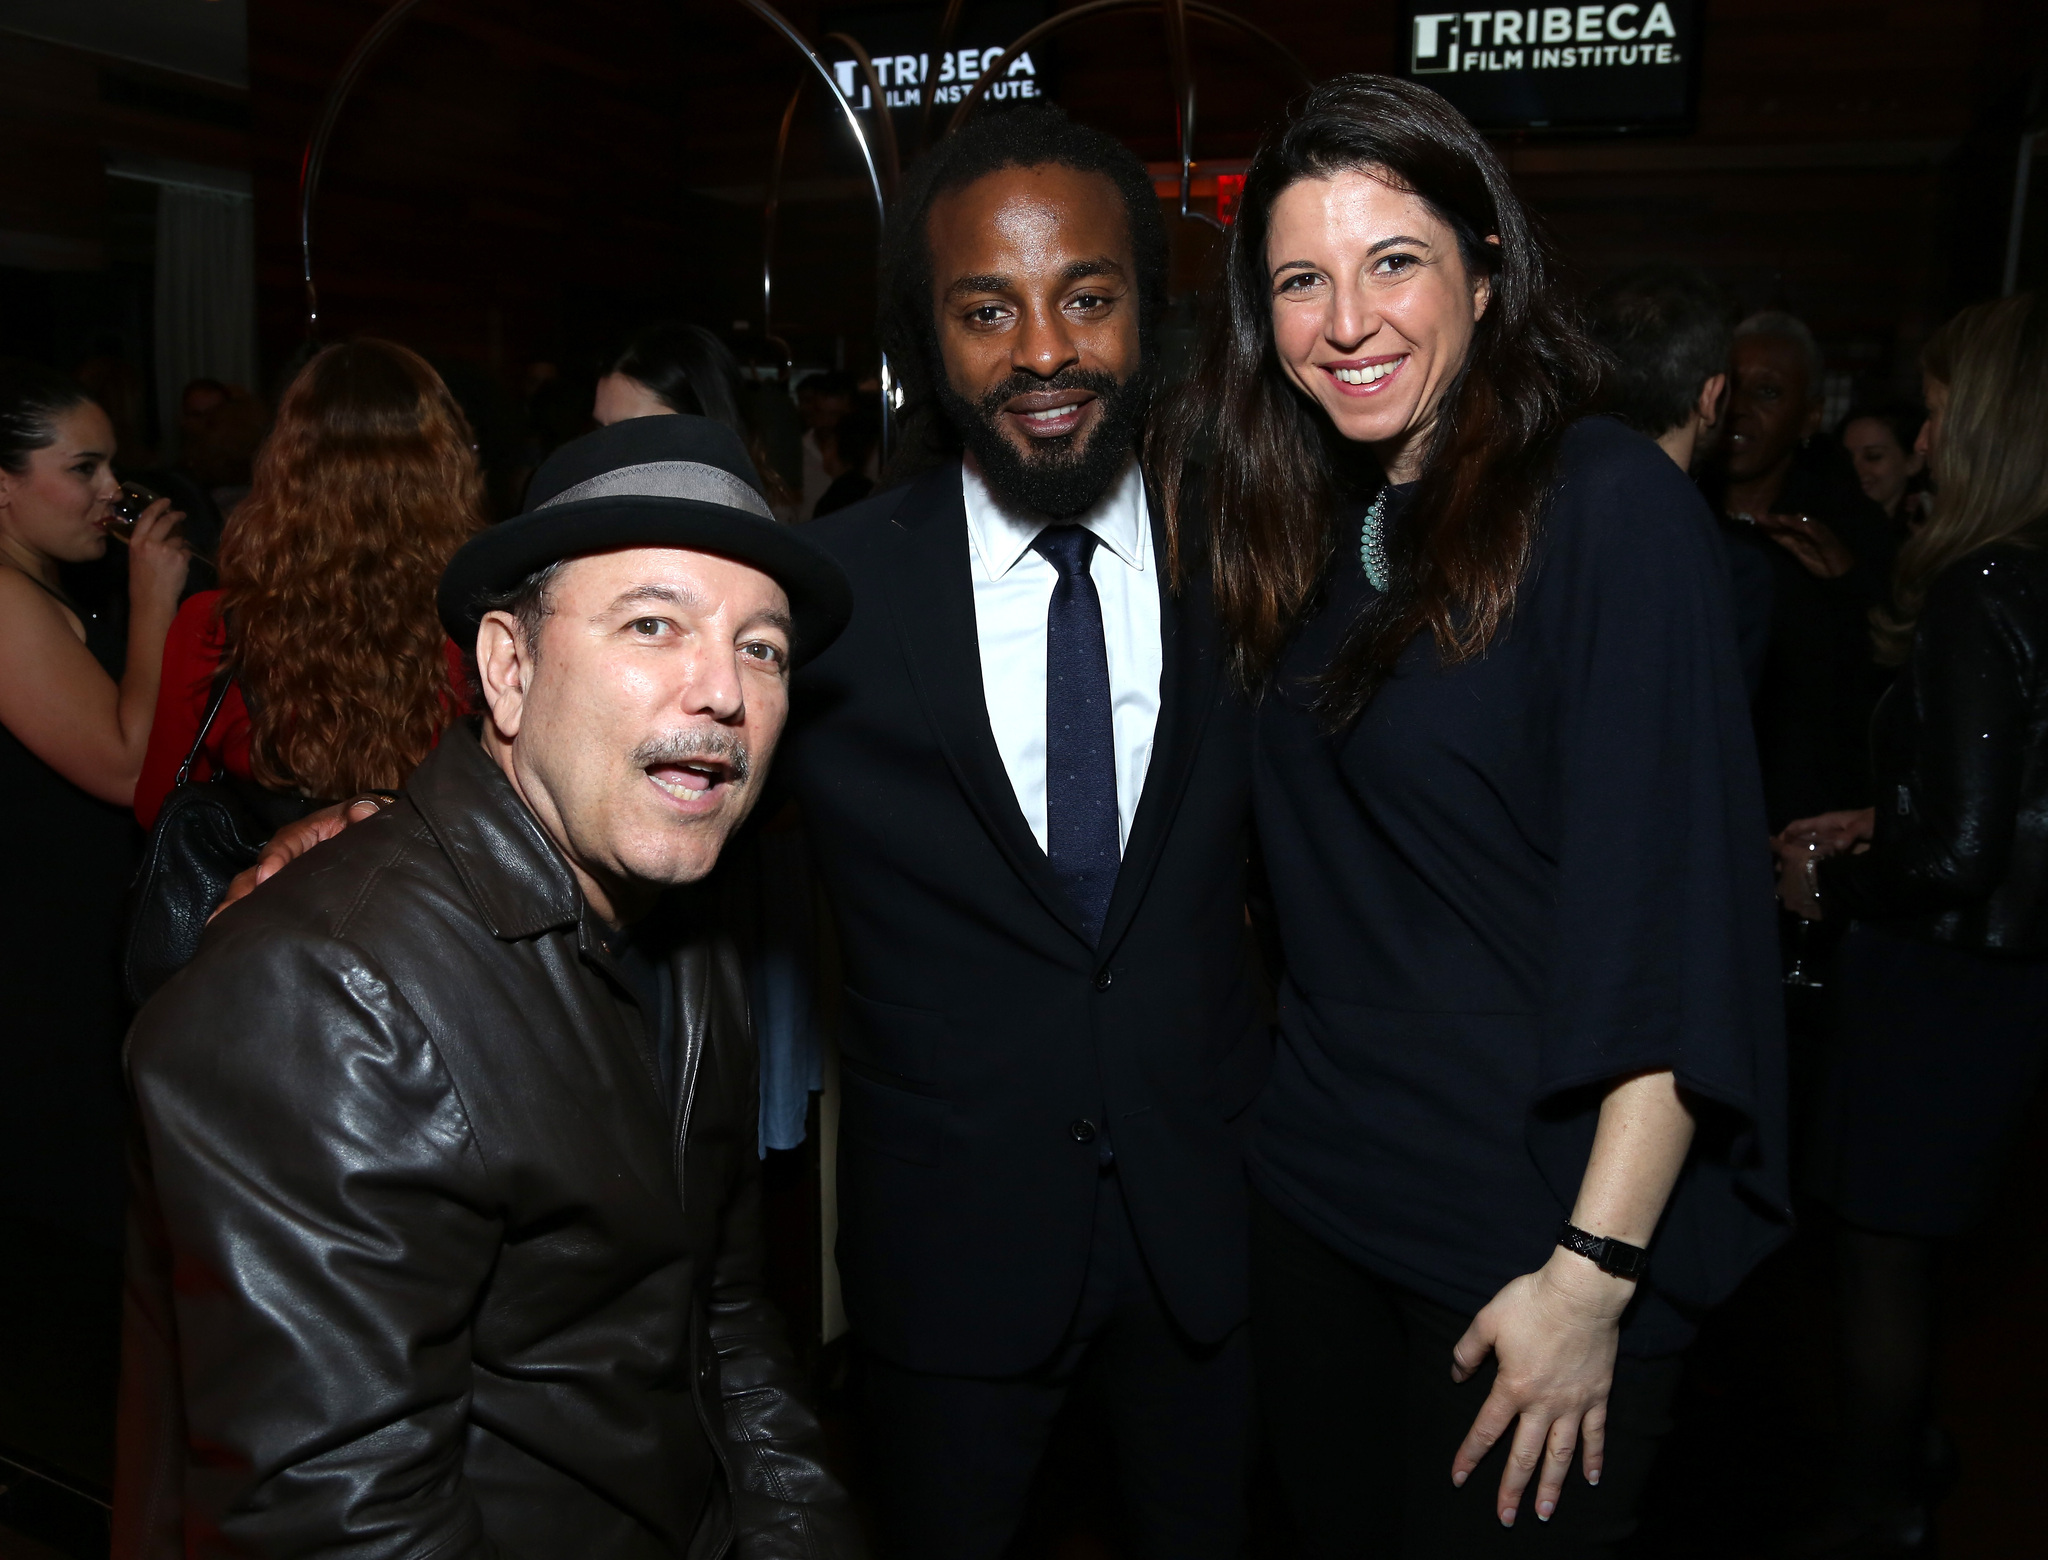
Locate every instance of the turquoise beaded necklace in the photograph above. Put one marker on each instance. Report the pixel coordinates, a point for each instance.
(1372, 542)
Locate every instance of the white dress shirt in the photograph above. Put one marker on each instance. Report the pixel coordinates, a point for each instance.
(1012, 592)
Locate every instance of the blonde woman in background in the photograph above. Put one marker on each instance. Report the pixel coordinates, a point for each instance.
(1944, 972)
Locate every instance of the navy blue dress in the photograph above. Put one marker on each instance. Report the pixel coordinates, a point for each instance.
(1513, 882)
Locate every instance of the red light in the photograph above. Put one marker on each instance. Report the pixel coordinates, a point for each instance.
(1229, 191)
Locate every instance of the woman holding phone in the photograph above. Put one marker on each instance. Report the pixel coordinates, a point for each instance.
(1525, 1120)
(75, 710)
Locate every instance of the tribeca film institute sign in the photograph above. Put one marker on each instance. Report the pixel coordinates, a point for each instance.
(899, 42)
(1590, 67)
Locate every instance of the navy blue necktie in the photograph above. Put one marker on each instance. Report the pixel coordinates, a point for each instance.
(1080, 741)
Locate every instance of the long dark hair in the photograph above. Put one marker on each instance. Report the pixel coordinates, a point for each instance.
(692, 372)
(689, 370)
(1250, 467)
(32, 398)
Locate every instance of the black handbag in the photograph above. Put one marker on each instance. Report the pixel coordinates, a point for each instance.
(208, 831)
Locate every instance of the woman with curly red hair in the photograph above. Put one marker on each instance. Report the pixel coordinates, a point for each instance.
(342, 679)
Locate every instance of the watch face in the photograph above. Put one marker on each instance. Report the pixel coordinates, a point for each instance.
(1624, 1260)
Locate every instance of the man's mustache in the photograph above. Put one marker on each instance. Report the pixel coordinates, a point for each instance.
(1021, 383)
(696, 742)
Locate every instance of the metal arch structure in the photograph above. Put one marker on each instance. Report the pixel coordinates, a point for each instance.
(927, 89)
(1179, 64)
(315, 156)
(891, 170)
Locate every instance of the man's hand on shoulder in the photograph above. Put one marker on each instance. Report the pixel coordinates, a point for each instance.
(295, 839)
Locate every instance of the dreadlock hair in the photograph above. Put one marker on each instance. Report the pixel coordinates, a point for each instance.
(1029, 136)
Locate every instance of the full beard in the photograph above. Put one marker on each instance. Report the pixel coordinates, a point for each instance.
(1061, 477)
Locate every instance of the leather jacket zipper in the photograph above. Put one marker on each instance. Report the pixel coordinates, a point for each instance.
(692, 1057)
(694, 1036)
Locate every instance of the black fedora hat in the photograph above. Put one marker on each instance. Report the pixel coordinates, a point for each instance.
(649, 482)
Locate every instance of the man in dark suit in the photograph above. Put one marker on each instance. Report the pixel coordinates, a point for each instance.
(1026, 780)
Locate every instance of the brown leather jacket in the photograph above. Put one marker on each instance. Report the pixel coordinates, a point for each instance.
(424, 1262)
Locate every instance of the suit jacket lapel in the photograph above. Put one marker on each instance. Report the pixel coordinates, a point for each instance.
(931, 598)
(1188, 669)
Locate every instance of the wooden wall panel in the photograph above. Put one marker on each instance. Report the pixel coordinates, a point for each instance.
(61, 113)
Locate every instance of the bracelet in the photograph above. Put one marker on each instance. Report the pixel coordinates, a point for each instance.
(383, 799)
(1616, 1257)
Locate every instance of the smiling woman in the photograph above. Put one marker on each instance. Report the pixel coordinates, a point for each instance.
(57, 489)
(1508, 804)
(1371, 264)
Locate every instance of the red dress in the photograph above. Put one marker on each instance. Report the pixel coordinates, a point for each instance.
(192, 655)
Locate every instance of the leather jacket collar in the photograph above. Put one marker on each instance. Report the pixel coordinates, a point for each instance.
(518, 878)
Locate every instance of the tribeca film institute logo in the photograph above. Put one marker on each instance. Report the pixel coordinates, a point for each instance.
(902, 77)
(1543, 38)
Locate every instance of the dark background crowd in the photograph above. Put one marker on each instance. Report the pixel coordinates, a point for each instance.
(1878, 1361)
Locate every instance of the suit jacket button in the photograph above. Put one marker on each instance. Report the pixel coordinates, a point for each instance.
(1081, 1131)
(1102, 978)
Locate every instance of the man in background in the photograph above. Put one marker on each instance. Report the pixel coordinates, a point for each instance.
(1790, 496)
(1667, 333)
(822, 401)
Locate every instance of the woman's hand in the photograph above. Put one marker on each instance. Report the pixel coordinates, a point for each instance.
(1801, 846)
(1554, 1332)
(1819, 551)
(1833, 832)
(157, 560)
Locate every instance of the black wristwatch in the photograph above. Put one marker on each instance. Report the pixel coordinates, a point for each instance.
(1606, 1253)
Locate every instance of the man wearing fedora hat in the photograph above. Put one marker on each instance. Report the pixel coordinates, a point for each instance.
(446, 1235)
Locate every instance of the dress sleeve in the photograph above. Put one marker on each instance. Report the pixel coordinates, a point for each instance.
(1663, 944)
(1665, 948)
(191, 653)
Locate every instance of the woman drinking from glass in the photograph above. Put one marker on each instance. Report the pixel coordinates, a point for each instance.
(1525, 1121)
(76, 697)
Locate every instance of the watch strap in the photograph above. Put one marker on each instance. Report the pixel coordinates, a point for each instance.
(1606, 1253)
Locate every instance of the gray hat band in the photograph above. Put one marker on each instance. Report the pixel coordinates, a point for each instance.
(668, 479)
